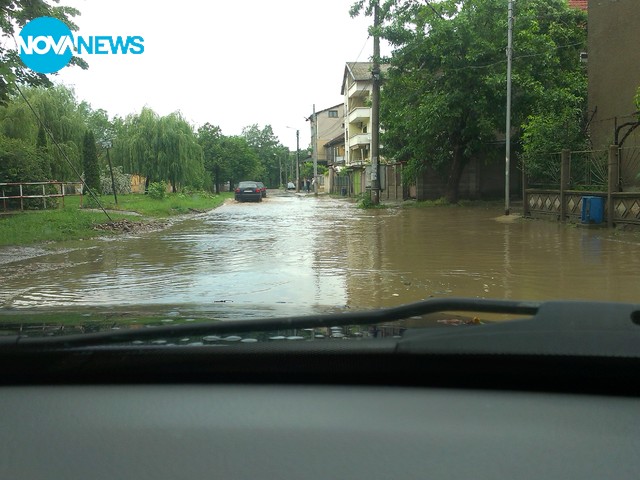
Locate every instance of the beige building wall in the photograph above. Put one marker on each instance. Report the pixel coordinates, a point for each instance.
(614, 68)
(330, 125)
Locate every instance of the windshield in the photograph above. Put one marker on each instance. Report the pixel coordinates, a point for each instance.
(406, 151)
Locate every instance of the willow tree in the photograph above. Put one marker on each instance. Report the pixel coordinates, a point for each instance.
(159, 149)
(59, 115)
(180, 157)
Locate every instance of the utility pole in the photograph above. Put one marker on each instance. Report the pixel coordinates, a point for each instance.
(508, 128)
(106, 144)
(315, 151)
(297, 161)
(375, 108)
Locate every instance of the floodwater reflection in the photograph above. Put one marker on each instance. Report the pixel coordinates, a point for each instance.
(294, 254)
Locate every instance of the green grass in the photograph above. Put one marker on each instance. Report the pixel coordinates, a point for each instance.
(172, 204)
(69, 223)
(72, 222)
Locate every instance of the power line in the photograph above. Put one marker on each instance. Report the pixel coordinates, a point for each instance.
(62, 152)
(362, 49)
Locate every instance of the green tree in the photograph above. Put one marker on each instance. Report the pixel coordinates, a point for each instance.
(268, 149)
(22, 161)
(215, 163)
(243, 162)
(90, 162)
(60, 115)
(159, 148)
(14, 14)
(443, 99)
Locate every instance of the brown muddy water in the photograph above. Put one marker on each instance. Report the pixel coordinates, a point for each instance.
(295, 254)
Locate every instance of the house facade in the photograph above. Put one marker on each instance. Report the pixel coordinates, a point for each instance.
(614, 76)
(357, 88)
(328, 126)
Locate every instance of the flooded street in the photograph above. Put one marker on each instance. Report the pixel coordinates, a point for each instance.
(294, 254)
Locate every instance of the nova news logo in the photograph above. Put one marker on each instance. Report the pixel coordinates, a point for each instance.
(46, 45)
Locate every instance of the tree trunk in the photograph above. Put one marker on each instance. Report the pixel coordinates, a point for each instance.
(217, 179)
(455, 173)
(147, 181)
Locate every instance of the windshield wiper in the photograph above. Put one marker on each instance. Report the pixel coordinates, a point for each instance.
(556, 328)
(367, 317)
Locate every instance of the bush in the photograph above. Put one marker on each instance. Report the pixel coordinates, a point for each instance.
(22, 162)
(158, 190)
(121, 180)
(365, 201)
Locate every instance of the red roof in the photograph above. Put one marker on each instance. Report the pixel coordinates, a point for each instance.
(581, 4)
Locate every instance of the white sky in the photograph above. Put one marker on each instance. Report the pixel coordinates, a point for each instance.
(231, 63)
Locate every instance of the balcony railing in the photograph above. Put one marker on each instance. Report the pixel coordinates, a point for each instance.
(360, 140)
(360, 115)
(359, 89)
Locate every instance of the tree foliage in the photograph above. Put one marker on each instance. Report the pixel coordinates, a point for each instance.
(269, 151)
(215, 163)
(90, 162)
(60, 115)
(243, 162)
(159, 148)
(14, 14)
(443, 101)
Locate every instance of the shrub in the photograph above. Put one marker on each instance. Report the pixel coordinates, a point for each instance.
(157, 190)
(121, 180)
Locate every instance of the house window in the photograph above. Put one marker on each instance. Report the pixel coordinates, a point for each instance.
(333, 113)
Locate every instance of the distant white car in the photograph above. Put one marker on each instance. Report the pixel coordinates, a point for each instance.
(291, 186)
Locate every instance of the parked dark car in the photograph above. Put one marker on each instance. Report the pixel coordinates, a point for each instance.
(264, 189)
(248, 191)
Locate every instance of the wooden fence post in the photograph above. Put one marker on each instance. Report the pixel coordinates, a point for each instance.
(565, 175)
(612, 184)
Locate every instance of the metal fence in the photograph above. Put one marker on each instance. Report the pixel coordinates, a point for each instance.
(589, 170)
(608, 175)
(629, 158)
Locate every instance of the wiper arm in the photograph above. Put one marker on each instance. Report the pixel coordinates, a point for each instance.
(367, 317)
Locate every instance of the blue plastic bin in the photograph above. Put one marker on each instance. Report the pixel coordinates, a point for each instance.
(592, 210)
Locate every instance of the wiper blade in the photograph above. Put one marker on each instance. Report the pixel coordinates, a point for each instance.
(367, 317)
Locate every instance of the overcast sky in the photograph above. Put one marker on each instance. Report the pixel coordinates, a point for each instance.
(231, 63)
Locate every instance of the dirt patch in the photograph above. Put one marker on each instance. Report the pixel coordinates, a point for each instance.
(127, 226)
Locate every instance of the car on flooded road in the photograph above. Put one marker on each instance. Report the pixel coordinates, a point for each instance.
(263, 189)
(248, 191)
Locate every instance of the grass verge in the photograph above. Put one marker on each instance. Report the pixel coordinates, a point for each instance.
(72, 222)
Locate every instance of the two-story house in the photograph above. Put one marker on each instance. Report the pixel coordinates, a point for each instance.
(328, 125)
(327, 140)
